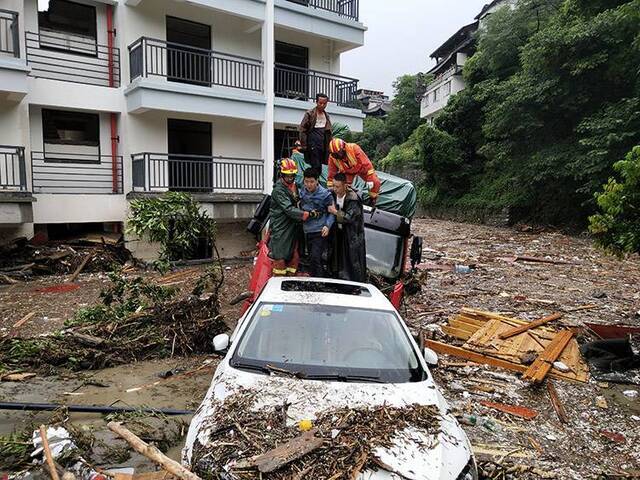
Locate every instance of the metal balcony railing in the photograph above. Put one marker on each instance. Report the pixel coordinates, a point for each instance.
(450, 72)
(13, 172)
(149, 57)
(76, 173)
(304, 84)
(9, 33)
(72, 58)
(196, 173)
(344, 8)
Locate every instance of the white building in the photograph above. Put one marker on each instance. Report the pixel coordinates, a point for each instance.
(450, 58)
(102, 101)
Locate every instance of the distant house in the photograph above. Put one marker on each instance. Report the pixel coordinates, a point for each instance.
(374, 103)
(450, 57)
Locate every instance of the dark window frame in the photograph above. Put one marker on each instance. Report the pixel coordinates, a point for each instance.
(44, 23)
(48, 116)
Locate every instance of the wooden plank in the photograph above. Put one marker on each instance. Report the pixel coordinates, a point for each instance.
(541, 366)
(473, 356)
(517, 410)
(23, 320)
(556, 403)
(462, 325)
(286, 453)
(80, 268)
(536, 323)
(456, 333)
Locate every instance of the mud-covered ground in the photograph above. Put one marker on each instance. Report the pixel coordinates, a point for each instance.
(601, 437)
(582, 448)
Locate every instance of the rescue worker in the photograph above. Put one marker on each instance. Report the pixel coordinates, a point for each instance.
(350, 159)
(316, 133)
(285, 220)
(349, 260)
(314, 197)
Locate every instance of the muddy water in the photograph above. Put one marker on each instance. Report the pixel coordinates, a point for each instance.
(137, 384)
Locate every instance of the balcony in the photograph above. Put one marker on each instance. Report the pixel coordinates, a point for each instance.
(175, 62)
(76, 173)
(13, 172)
(13, 69)
(304, 84)
(72, 58)
(344, 8)
(155, 172)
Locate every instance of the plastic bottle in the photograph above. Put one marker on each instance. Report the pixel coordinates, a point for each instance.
(478, 421)
(462, 269)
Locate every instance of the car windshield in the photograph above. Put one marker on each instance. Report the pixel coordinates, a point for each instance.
(384, 252)
(328, 342)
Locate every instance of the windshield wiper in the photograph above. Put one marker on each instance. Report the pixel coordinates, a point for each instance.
(343, 378)
(250, 366)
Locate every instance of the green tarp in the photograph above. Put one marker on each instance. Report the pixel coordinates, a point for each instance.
(397, 195)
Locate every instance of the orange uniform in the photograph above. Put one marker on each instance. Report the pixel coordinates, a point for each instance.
(355, 163)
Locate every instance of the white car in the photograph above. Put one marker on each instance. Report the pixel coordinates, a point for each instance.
(352, 349)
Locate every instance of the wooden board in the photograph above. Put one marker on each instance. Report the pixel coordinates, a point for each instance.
(543, 364)
(481, 332)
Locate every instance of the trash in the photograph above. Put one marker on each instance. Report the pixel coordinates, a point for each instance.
(305, 425)
(522, 258)
(601, 402)
(59, 440)
(630, 393)
(479, 421)
(58, 288)
(613, 359)
(561, 366)
(462, 269)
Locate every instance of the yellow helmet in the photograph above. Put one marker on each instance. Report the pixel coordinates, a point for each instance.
(336, 145)
(288, 167)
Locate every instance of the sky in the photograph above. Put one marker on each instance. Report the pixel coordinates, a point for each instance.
(401, 34)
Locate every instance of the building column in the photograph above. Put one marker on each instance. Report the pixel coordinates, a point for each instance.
(268, 61)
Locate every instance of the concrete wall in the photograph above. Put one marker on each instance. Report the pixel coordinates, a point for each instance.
(321, 53)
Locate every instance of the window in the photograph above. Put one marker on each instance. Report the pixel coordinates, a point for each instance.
(436, 94)
(68, 26)
(447, 89)
(70, 17)
(71, 136)
(188, 59)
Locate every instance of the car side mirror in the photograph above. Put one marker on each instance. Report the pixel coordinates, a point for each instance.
(430, 357)
(416, 251)
(221, 342)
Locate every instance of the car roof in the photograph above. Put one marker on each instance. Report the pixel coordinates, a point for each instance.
(371, 298)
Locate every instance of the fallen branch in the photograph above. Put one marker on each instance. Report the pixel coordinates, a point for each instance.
(47, 454)
(80, 268)
(556, 403)
(152, 453)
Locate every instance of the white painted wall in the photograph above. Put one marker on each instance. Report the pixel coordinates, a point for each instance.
(437, 97)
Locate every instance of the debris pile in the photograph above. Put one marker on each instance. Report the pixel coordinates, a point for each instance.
(341, 443)
(19, 260)
(137, 320)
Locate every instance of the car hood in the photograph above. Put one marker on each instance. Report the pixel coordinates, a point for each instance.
(414, 453)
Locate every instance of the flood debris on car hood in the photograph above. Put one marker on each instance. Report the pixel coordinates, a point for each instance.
(351, 439)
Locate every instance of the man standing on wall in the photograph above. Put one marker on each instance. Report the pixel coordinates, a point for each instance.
(349, 260)
(285, 218)
(315, 198)
(316, 133)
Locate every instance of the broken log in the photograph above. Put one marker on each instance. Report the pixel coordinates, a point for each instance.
(80, 268)
(23, 320)
(47, 454)
(541, 366)
(286, 453)
(536, 323)
(152, 453)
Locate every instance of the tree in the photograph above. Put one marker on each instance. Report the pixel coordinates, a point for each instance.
(617, 226)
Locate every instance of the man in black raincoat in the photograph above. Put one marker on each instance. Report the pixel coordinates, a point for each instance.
(349, 260)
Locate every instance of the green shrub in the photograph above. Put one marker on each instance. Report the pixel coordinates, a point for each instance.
(174, 220)
(617, 226)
